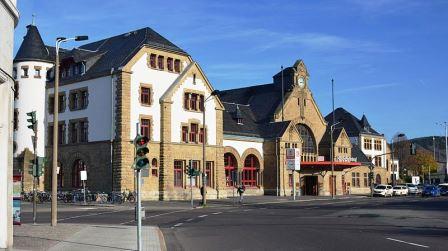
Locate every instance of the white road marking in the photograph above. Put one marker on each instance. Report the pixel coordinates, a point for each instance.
(410, 243)
(216, 213)
(247, 210)
(87, 215)
(202, 216)
(189, 220)
(87, 208)
(179, 224)
(157, 215)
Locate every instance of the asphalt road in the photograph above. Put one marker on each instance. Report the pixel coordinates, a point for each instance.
(406, 223)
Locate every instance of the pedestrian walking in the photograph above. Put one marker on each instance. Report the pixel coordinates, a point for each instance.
(241, 189)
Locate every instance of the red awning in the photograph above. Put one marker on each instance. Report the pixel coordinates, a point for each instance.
(328, 163)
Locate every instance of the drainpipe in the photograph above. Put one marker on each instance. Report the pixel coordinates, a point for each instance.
(277, 165)
(112, 127)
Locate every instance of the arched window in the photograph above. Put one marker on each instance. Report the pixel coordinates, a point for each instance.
(78, 166)
(154, 162)
(251, 171)
(378, 179)
(229, 167)
(308, 144)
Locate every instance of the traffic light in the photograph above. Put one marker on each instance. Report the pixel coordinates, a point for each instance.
(371, 176)
(141, 149)
(32, 120)
(192, 172)
(41, 163)
(413, 149)
(32, 168)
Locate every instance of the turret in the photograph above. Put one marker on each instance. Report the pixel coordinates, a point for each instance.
(31, 64)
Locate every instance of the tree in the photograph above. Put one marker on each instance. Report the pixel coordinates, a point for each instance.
(421, 163)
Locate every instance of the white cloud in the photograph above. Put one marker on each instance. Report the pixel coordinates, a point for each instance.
(366, 87)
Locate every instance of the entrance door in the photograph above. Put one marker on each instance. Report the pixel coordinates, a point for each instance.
(344, 186)
(332, 186)
(311, 185)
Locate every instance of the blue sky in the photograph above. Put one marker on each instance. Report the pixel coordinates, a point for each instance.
(388, 57)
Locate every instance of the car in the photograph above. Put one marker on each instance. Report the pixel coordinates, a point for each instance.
(382, 190)
(413, 189)
(430, 190)
(443, 189)
(400, 190)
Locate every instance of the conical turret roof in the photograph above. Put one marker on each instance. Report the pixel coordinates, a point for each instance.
(32, 47)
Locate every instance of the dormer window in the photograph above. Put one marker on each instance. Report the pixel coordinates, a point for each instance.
(239, 121)
(177, 65)
(169, 64)
(161, 63)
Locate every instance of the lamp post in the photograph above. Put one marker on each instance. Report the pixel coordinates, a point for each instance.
(204, 185)
(54, 175)
(333, 180)
(445, 124)
(394, 178)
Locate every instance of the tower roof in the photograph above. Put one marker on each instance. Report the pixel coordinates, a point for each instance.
(32, 47)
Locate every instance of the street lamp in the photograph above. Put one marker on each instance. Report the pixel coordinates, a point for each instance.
(394, 178)
(54, 175)
(333, 180)
(204, 187)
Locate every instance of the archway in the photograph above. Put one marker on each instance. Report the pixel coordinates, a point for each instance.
(230, 167)
(251, 171)
(78, 166)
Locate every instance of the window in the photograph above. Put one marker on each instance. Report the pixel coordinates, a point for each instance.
(355, 179)
(366, 180)
(178, 173)
(73, 132)
(61, 133)
(298, 101)
(37, 72)
(193, 102)
(187, 101)
(250, 171)
(154, 172)
(201, 135)
(84, 131)
(308, 143)
(145, 95)
(201, 103)
(169, 64)
(24, 72)
(378, 161)
(78, 166)
(79, 99)
(160, 62)
(209, 172)
(154, 163)
(50, 135)
(194, 133)
(185, 134)
(177, 65)
(16, 119)
(84, 99)
(194, 79)
(74, 101)
(61, 101)
(229, 167)
(367, 143)
(377, 144)
(152, 60)
(145, 126)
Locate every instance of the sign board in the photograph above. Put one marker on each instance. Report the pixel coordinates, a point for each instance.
(293, 159)
(345, 159)
(415, 180)
(83, 175)
(57, 169)
(17, 201)
(320, 158)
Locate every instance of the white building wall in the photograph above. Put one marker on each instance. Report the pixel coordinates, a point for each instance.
(31, 98)
(241, 146)
(160, 81)
(372, 152)
(179, 115)
(98, 111)
(9, 17)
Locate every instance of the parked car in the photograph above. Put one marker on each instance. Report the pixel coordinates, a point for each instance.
(430, 190)
(413, 189)
(400, 190)
(443, 189)
(383, 190)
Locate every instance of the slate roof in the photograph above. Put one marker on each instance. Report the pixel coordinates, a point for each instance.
(100, 56)
(360, 156)
(352, 125)
(326, 139)
(250, 127)
(32, 47)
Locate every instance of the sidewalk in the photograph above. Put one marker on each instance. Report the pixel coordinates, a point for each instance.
(85, 237)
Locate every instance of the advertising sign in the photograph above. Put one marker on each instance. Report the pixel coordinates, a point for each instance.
(16, 203)
(293, 159)
(83, 175)
(415, 180)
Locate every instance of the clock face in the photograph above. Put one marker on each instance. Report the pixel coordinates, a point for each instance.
(301, 82)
